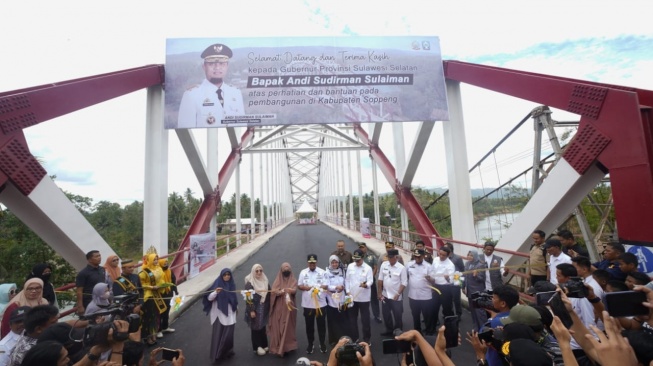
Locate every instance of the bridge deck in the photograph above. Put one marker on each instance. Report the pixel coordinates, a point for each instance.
(292, 244)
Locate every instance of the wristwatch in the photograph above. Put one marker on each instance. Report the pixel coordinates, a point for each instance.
(594, 300)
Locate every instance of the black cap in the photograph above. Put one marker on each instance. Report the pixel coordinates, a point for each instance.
(393, 252)
(18, 315)
(311, 258)
(418, 252)
(126, 261)
(552, 243)
(217, 52)
(358, 254)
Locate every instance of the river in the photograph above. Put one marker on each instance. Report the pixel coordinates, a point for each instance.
(493, 227)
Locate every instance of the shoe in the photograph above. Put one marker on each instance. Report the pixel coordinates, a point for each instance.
(260, 351)
(386, 334)
(323, 348)
(378, 320)
(309, 349)
(159, 335)
(267, 349)
(168, 330)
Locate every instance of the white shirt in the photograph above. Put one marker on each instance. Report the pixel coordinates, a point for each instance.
(6, 345)
(553, 263)
(200, 106)
(441, 269)
(333, 281)
(356, 275)
(228, 319)
(393, 277)
(585, 312)
(488, 260)
(312, 279)
(418, 286)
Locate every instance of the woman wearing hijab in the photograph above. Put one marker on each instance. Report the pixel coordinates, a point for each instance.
(475, 282)
(151, 279)
(44, 272)
(167, 293)
(7, 292)
(32, 295)
(283, 313)
(112, 269)
(335, 284)
(221, 304)
(257, 312)
(101, 295)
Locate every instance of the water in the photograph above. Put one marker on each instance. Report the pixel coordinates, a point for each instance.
(493, 227)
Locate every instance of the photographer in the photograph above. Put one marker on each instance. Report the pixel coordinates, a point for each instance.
(572, 285)
(504, 298)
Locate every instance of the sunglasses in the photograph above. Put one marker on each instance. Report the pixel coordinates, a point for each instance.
(259, 270)
(13, 291)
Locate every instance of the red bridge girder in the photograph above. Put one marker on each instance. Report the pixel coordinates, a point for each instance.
(416, 214)
(615, 131)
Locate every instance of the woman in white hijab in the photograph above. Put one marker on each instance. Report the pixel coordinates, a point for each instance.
(337, 325)
(258, 309)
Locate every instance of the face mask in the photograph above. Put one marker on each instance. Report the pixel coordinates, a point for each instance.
(286, 273)
(46, 277)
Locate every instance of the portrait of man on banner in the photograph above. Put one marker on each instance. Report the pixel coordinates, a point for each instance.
(202, 252)
(210, 102)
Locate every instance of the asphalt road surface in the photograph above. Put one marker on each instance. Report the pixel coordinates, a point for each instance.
(193, 328)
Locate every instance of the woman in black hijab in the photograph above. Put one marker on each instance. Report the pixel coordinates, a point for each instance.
(44, 272)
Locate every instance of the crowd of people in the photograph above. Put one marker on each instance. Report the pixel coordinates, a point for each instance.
(340, 299)
(105, 333)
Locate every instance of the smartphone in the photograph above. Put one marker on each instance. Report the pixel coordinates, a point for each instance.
(169, 354)
(542, 298)
(486, 335)
(626, 303)
(391, 346)
(451, 331)
(558, 308)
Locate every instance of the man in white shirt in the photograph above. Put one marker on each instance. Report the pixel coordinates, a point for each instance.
(391, 283)
(419, 289)
(442, 278)
(310, 281)
(358, 285)
(9, 341)
(556, 256)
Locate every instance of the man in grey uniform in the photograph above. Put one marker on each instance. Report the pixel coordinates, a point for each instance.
(207, 104)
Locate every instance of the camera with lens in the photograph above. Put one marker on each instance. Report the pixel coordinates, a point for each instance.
(482, 299)
(574, 287)
(346, 354)
(121, 309)
(493, 336)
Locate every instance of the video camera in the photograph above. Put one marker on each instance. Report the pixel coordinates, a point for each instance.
(482, 299)
(346, 354)
(574, 287)
(492, 336)
(121, 309)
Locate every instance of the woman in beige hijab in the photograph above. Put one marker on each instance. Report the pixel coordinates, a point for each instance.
(32, 295)
(258, 309)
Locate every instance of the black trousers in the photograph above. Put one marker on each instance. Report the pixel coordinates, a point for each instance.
(455, 297)
(364, 309)
(337, 324)
(374, 301)
(311, 317)
(393, 309)
(442, 299)
(259, 339)
(419, 309)
(535, 279)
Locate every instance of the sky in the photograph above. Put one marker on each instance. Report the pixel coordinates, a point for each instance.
(98, 152)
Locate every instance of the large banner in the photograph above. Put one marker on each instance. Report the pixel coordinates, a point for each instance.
(202, 252)
(230, 82)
